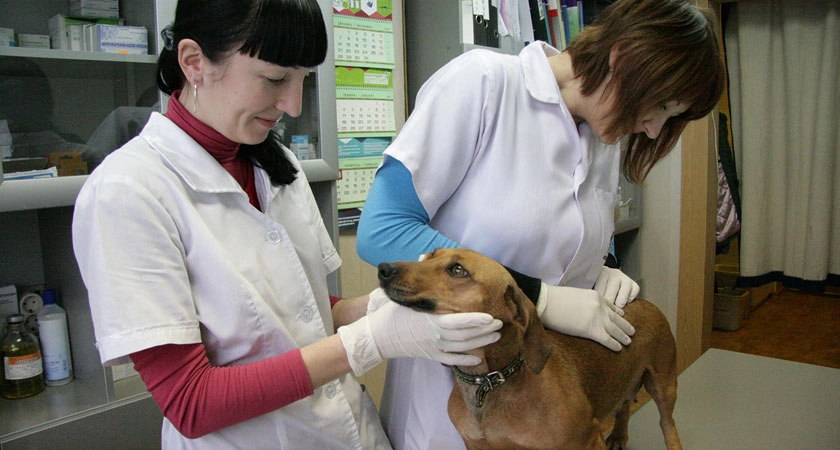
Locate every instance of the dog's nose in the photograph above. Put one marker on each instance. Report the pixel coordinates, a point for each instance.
(386, 271)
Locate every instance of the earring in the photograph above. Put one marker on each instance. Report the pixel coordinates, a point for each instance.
(195, 97)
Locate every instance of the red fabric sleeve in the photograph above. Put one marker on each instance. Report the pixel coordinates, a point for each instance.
(334, 300)
(199, 398)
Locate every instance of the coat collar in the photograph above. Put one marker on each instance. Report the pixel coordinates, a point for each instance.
(197, 168)
(539, 78)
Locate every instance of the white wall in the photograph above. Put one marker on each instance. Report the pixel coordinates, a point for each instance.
(659, 249)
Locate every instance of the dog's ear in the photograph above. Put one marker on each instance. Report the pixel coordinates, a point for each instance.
(535, 349)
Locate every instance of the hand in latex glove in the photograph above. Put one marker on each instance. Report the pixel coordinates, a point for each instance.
(376, 299)
(616, 287)
(583, 313)
(391, 330)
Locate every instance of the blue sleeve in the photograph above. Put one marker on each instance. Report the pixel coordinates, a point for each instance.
(394, 225)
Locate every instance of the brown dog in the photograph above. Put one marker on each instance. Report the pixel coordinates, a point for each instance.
(538, 389)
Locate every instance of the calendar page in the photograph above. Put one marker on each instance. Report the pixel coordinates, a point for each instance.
(371, 117)
(363, 47)
(363, 37)
(358, 159)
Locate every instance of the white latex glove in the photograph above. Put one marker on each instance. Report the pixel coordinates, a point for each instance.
(376, 299)
(616, 287)
(583, 313)
(391, 330)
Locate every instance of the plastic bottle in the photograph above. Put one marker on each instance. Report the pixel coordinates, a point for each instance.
(23, 371)
(55, 341)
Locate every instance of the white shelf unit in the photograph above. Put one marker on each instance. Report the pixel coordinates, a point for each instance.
(94, 410)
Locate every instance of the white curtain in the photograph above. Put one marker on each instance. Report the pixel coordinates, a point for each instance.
(784, 69)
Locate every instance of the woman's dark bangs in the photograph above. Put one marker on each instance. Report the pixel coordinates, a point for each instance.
(288, 34)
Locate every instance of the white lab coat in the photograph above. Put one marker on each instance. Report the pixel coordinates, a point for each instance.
(190, 260)
(518, 181)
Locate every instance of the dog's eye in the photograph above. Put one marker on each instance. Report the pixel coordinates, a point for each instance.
(457, 271)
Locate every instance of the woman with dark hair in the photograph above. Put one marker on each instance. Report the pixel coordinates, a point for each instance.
(205, 257)
(518, 157)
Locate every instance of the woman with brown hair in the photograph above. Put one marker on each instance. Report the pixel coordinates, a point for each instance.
(518, 157)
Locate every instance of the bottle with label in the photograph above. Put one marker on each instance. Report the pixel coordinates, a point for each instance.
(55, 341)
(23, 371)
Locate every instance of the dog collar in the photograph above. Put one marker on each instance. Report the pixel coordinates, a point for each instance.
(490, 381)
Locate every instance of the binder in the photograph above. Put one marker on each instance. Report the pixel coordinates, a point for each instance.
(480, 10)
(572, 14)
(538, 20)
(492, 30)
(479, 30)
(557, 25)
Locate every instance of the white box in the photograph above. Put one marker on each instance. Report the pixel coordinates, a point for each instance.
(95, 8)
(120, 39)
(7, 37)
(66, 33)
(75, 36)
(300, 146)
(113, 5)
(95, 13)
(33, 40)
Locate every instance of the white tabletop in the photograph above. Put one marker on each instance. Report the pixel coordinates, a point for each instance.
(728, 400)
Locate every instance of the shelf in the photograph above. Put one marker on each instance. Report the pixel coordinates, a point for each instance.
(47, 53)
(18, 195)
(623, 226)
(57, 404)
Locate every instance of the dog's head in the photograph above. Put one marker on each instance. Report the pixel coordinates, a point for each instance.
(460, 280)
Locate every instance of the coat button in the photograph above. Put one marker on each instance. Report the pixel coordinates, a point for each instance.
(273, 236)
(330, 390)
(306, 313)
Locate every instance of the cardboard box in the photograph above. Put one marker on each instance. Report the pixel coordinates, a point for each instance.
(33, 40)
(13, 165)
(68, 163)
(95, 13)
(124, 40)
(111, 5)
(109, 9)
(66, 32)
(7, 37)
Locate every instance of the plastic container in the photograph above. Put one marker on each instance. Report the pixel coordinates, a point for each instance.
(730, 308)
(55, 341)
(23, 371)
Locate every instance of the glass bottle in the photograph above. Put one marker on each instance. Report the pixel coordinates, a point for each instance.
(23, 371)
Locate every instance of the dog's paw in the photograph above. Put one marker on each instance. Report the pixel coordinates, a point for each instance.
(616, 442)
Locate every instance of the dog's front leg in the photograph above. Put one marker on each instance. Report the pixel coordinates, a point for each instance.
(617, 438)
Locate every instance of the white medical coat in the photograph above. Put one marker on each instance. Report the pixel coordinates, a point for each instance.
(500, 167)
(172, 252)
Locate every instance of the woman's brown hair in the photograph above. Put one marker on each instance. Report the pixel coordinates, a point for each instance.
(665, 50)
